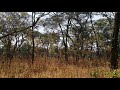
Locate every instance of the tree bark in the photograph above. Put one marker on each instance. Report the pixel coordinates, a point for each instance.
(33, 44)
(114, 50)
(66, 40)
(65, 43)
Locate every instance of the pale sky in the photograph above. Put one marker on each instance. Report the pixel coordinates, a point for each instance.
(41, 29)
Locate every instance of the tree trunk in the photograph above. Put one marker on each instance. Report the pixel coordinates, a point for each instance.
(96, 37)
(66, 40)
(98, 50)
(8, 55)
(33, 44)
(114, 50)
(77, 56)
(66, 53)
(47, 53)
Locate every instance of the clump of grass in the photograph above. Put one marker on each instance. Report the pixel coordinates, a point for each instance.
(114, 74)
(94, 74)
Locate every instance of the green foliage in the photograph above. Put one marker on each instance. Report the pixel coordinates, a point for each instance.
(94, 74)
(115, 74)
(25, 50)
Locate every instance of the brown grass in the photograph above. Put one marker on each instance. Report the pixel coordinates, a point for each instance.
(54, 68)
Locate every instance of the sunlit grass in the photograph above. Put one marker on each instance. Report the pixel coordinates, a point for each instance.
(53, 68)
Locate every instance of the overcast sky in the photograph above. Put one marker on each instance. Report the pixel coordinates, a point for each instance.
(41, 29)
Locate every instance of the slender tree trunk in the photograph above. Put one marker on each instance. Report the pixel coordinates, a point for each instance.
(47, 53)
(77, 50)
(66, 40)
(77, 45)
(98, 50)
(66, 53)
(66, 47)
(15, 46)
(77, 55)
(33, 44)
(114, 50)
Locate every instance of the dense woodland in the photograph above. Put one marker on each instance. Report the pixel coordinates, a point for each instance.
(60, 35)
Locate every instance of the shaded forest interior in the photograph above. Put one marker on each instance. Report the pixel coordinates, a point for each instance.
(69, 37)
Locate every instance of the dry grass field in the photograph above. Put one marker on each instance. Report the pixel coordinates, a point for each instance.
(53, 68)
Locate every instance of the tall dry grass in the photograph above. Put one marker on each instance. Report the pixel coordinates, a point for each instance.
(53, 68)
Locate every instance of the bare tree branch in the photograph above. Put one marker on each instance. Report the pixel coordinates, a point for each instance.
(33, 25)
